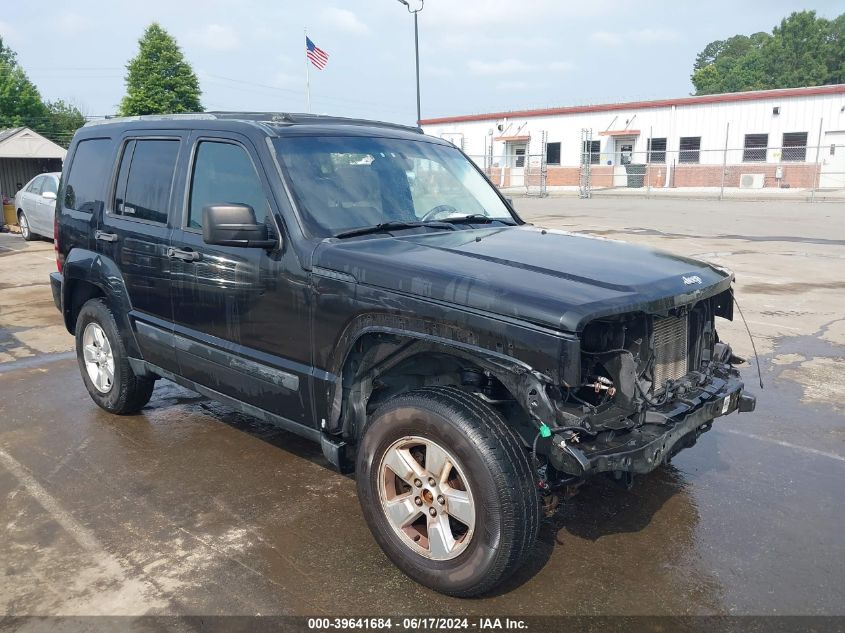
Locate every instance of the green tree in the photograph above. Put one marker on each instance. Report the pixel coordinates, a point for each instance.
(798, 52)
(63, 119)
(836, 59)
(731, 65)
(20, 101)
(158, 79)
(804, 50)
(709, 55)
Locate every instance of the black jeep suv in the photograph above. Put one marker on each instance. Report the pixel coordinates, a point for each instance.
(364, 285)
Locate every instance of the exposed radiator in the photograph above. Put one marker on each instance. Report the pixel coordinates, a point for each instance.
(670, 349)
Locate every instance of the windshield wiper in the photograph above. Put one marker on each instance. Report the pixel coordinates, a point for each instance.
(391, 226)
(475, 218)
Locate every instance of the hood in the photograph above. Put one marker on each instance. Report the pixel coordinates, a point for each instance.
(550, 278)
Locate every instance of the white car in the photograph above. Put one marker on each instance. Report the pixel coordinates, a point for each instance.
(36, 205)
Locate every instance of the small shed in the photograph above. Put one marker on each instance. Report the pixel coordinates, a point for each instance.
(24, 153)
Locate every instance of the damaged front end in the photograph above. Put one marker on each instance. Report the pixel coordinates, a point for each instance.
(649, 385)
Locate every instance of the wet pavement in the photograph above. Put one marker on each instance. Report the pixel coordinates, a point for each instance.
(191, 508)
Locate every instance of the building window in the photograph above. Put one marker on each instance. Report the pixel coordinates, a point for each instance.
(794, 146)
(553, 153)
(755, 148)
(591, 152)
(656, 150)
(690, 149)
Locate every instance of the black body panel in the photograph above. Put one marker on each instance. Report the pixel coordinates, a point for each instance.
(274, 327)
(550, 278)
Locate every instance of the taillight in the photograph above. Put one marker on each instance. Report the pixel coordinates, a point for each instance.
(56, 240)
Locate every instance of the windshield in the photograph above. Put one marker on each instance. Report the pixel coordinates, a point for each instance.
(344, 183)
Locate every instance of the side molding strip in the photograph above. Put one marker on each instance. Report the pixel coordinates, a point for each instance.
(289, 425)
(256, 370)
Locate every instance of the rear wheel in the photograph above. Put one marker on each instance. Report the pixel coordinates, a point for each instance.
(23, 222)
(104, 363)
(447, 490)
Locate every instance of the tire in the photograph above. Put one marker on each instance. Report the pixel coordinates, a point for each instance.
(125, 392)
(492, 466)
(26, 231)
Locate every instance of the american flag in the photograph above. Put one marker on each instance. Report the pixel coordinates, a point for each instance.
(317, 55)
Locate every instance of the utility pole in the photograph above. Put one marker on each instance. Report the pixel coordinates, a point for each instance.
(416, 48)
(307, 81)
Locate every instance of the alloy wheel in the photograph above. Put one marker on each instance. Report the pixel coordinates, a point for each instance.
(24, 224)
(426, 498)
(99, 360)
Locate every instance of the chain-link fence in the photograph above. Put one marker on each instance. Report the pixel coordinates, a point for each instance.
(521, 173)
(801, 172)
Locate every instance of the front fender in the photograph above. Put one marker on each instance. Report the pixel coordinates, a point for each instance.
(525, 382)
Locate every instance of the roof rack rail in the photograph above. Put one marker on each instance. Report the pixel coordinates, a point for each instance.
(276, 118)
(293, 118)
(196, 116)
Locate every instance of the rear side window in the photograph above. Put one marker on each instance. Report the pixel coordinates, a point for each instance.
(145, 179)
(91, 168)
(224, 173)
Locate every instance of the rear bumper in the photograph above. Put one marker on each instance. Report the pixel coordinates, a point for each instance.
(668, 429)
(56, 286)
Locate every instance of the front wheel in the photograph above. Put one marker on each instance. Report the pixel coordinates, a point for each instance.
(447, 490)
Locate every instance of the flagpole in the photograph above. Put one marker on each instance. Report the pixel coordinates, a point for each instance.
(307, 80)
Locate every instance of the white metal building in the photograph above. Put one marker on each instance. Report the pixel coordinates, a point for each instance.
(24, 154)
(771, 138)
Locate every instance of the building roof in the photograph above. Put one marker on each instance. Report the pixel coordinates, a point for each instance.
(751, 95)
(21, 142)
(11, 131)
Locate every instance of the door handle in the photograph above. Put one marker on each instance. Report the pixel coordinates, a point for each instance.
(105, 237)
(184, 255)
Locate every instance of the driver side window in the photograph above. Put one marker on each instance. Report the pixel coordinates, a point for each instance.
(224, 173)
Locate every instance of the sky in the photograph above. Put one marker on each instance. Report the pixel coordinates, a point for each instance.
(475, 55)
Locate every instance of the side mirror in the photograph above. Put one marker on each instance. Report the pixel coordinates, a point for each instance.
(48, 195)
(509, 201)
(234, 225)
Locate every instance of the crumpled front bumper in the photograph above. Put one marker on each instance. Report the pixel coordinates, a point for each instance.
(668, 429)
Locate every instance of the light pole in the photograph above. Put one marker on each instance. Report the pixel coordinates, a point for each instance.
(416, 49)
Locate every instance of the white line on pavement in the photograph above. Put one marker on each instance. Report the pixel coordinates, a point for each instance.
(79, 532)
(17, 250)
(120, 581)
(775, 325)
(805, 449)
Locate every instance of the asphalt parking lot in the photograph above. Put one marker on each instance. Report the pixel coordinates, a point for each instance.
(191, 508)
